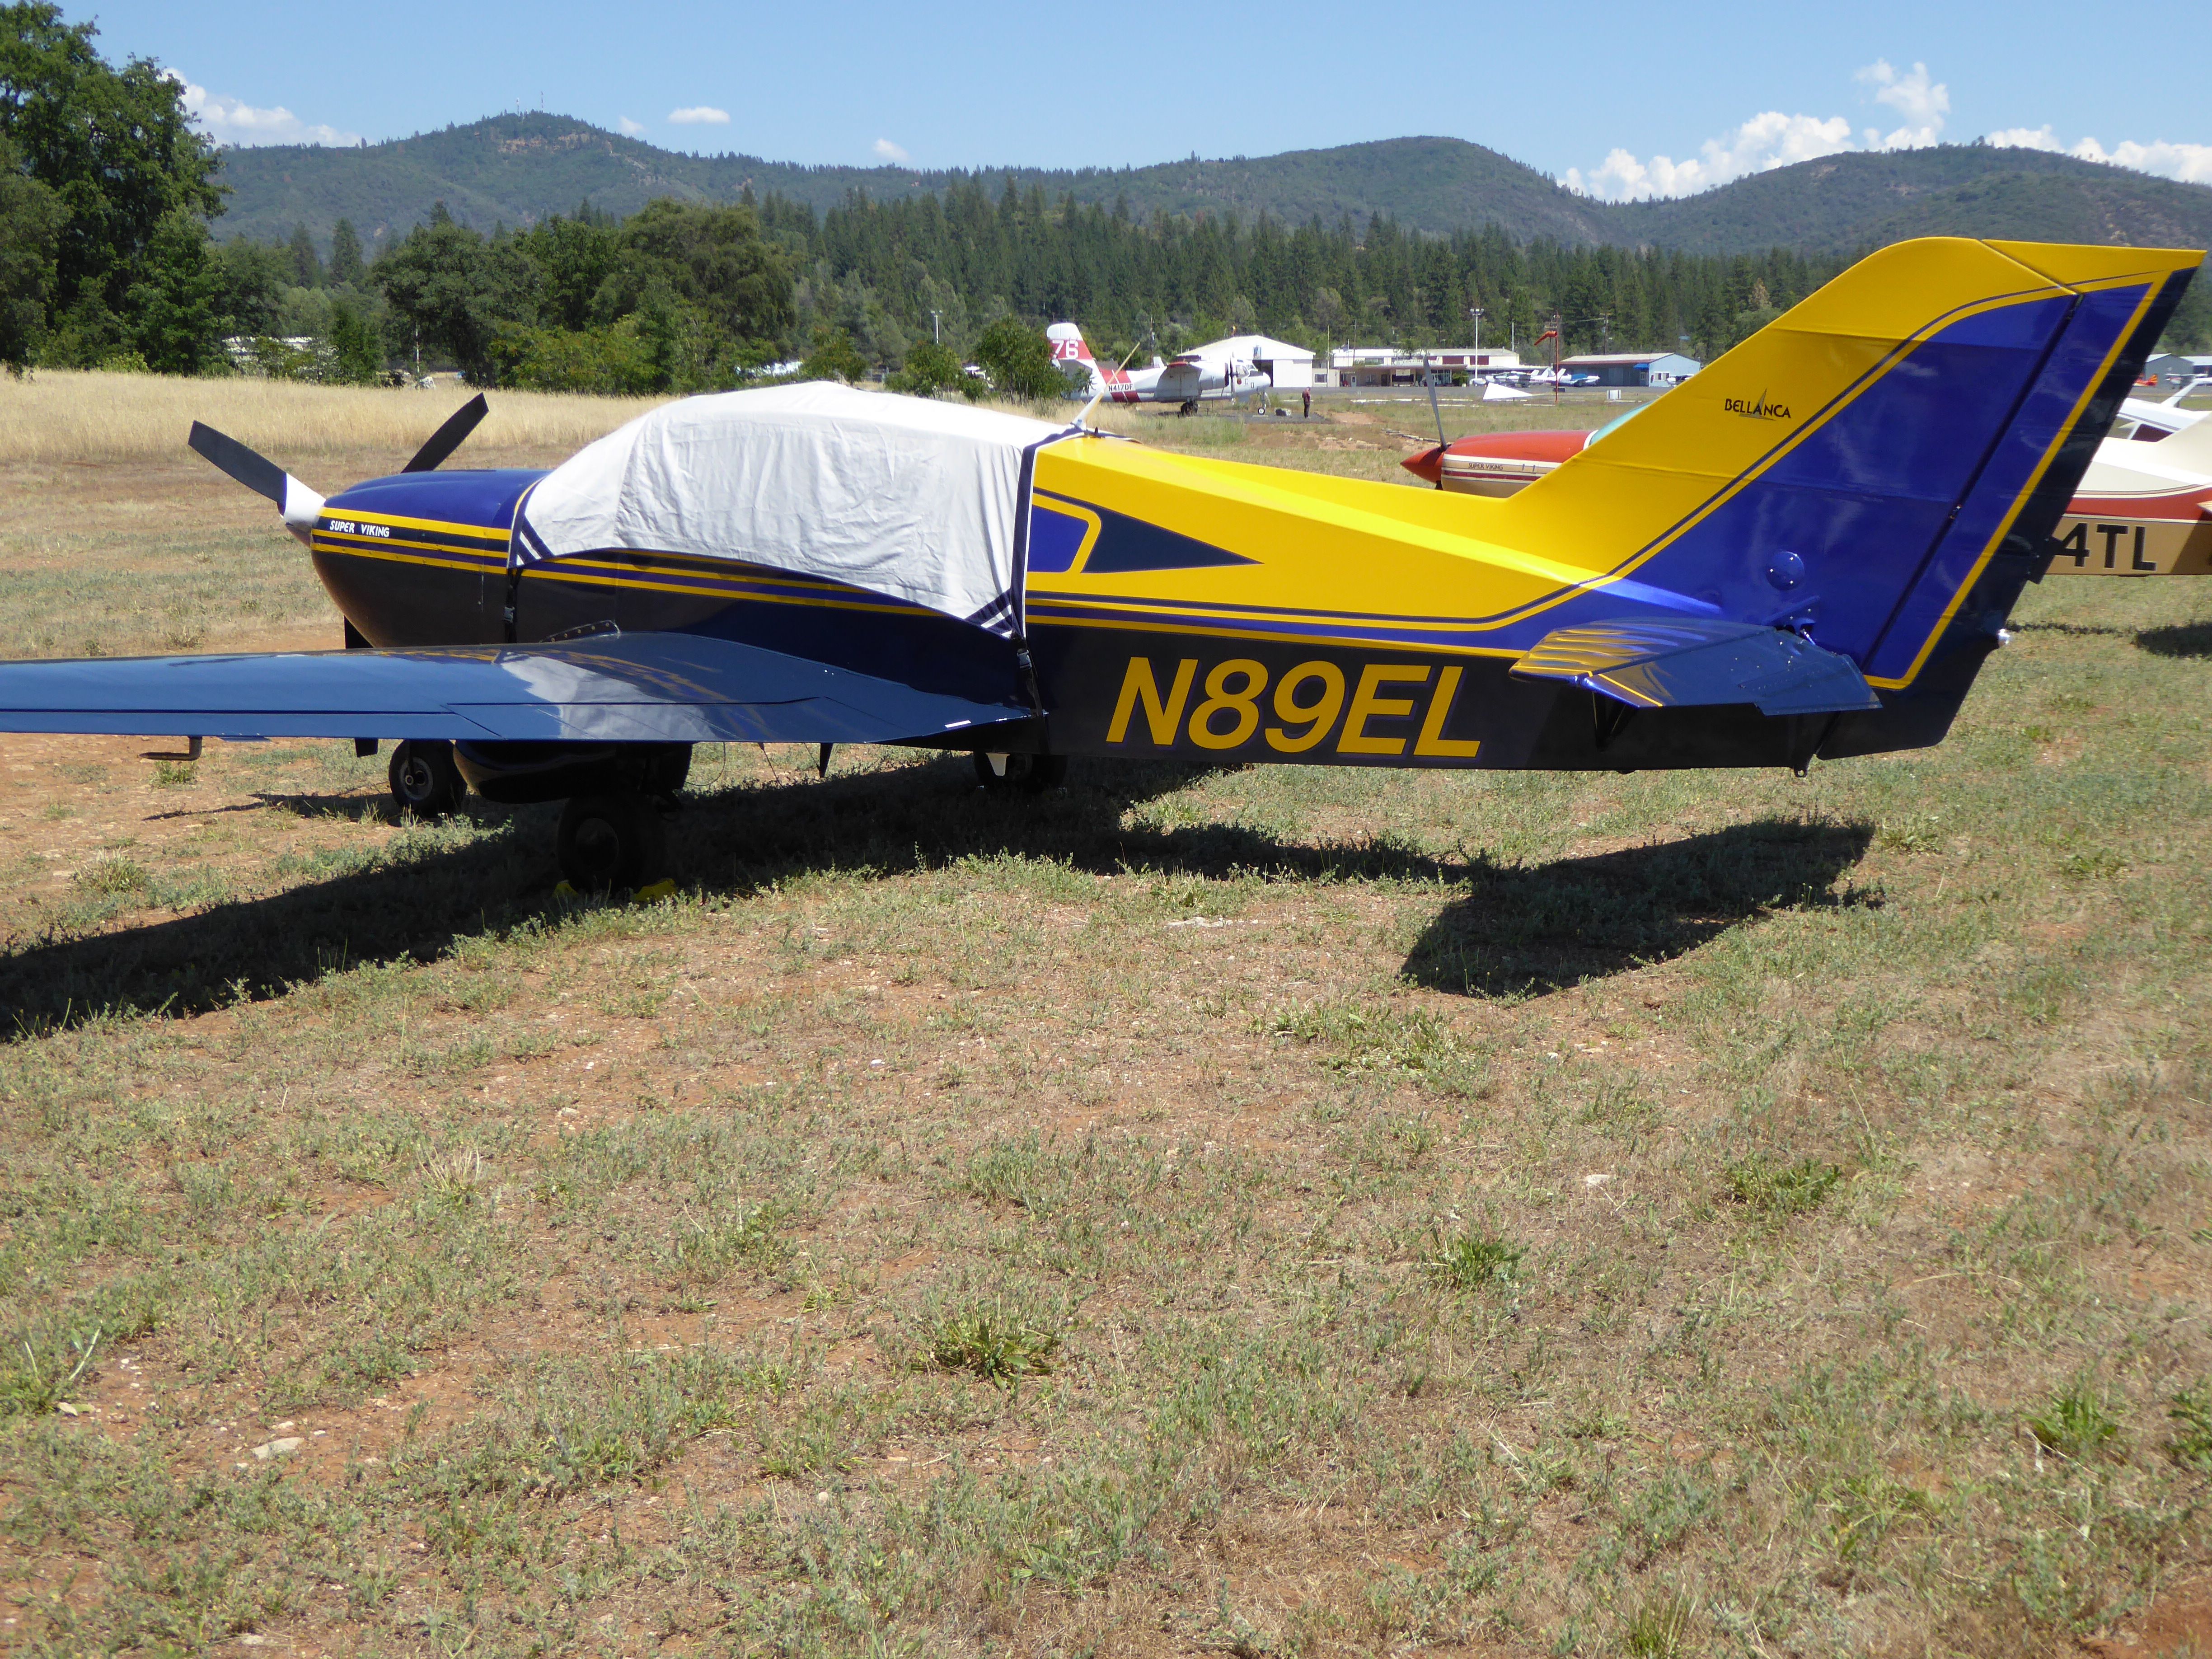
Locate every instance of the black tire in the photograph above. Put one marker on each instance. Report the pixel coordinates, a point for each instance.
(607, 842)
(424, 780)
(1025, 775)
(667, 771)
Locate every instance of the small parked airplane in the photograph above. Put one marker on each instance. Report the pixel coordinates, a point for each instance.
(1111, 383)
(1224, 368)
(1809, 550)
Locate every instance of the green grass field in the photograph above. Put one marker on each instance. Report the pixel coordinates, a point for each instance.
(1280, 1211)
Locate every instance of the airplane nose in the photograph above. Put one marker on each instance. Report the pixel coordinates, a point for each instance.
(1428, 465)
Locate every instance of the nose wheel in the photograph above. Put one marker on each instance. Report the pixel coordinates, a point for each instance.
(424, 780)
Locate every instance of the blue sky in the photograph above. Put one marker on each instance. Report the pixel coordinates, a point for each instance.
(1620, 100)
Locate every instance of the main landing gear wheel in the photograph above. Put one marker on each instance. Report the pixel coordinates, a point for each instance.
(1027, 775)
(424, 780)
(611, 842)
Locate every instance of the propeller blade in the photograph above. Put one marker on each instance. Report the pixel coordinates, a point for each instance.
(449, 437)
(257, 472)
(300, 504)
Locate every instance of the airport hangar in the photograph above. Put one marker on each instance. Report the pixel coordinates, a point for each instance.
(1643, 368)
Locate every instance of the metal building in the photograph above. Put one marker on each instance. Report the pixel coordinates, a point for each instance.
(1651, 368)
(2175, 368)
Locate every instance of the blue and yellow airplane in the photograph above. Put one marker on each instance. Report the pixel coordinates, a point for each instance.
(1807, 551)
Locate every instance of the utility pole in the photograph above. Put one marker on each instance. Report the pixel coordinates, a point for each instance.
(936, 336)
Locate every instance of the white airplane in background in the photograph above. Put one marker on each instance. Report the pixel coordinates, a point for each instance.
(1224, 368)
(2160, 418)
(1115, 385)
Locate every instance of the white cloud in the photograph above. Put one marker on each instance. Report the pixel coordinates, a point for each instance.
(633, 128)
(228, 121)
(1771, 140)
(1923, 104)
(1776, 140)
(700, 115)
(2189, 163)
(891, 152)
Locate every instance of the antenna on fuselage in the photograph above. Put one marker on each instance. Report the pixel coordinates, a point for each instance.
(1084, 417)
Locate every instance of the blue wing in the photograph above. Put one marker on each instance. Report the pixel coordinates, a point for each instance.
(633, 688)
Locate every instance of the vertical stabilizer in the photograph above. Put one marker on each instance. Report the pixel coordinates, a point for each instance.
(1882, 467)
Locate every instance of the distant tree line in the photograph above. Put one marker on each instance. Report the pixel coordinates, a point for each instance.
(106, 260)
(685, 296)
(880, 269)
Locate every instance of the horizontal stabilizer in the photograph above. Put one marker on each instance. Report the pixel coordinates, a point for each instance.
(1695, 664)
(633, 688)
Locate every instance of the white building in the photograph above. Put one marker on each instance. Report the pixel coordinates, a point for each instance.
(1393, 366)
(1290, 367)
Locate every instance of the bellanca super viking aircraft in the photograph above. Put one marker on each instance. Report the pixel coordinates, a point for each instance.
(1806, 551)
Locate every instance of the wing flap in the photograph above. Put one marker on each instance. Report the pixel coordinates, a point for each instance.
(1691, 664)
(655, 688)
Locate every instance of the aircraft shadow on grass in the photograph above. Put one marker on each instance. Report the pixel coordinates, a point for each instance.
(1528, 929)
(2185, 640)
(2189, 640)
(1512, 931)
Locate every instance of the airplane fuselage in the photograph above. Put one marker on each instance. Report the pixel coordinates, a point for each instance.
(1354, 624)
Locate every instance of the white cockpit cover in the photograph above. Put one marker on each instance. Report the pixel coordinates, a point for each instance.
(905, 496)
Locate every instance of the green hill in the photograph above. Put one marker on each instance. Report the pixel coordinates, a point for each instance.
(1842, 202)
(517, 169)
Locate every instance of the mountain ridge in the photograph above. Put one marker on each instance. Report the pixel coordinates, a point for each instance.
(517, 169)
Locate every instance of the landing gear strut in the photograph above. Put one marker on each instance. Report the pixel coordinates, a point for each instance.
(1027, 775)
(424, 780)
(609, 841)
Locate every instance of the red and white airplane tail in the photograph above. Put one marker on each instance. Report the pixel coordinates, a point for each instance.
(1106, 380)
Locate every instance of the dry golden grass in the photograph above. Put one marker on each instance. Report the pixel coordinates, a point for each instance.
(62, 415)
(77, 417)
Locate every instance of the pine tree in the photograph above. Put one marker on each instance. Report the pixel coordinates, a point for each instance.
(347, 270)
(307, 267)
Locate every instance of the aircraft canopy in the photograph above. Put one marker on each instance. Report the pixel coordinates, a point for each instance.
(918, 500)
